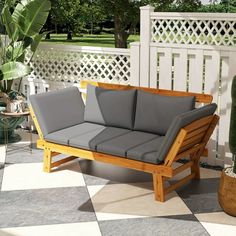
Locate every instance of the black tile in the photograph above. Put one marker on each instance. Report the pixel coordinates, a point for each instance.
(45, 206)
(96, 173)
(183, 225)
(201, 195)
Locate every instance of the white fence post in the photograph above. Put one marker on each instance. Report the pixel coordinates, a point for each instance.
(135, 64)
(145, 39)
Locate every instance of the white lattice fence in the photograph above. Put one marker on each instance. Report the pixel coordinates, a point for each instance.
(72, 63)
(193, 52)
(193, 28)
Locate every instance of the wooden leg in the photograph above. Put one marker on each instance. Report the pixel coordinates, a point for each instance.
(158, 183)
(47, 160)
(195, 168)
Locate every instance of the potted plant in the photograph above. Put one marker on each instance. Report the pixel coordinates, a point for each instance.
(227, 189)
(22, 22)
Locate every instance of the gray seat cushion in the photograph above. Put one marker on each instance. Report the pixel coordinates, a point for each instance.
(154, 113)
(147, 152)
(181, 121)
(110, 107)
(63, 136)
(58, 110)
(91, 139)
(121, 145)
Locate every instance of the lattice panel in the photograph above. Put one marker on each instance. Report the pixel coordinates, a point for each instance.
(194, 31)
(72, 66)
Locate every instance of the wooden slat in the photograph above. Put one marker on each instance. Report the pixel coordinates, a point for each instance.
(186, 147)
(55, 154)
(197, 131)
(182, 167)
(187, 152)
(132, 164)
(193, 139)
(58, 163)
(198, 124)
(40, 133)
(175, 148)
(179, 183)
(202, 98)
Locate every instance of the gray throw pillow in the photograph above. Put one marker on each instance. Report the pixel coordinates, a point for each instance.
(58, 110)
(154, 113)
(110, 107)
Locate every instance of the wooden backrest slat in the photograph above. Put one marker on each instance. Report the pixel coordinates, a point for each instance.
(198, 124)
(200, 98)
(192, 139)
(197, 131)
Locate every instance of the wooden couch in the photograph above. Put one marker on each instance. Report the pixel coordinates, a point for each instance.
(190, 142)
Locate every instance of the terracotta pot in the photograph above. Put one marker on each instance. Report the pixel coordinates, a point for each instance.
(227, 194)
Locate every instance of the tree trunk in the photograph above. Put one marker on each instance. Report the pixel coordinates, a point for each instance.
(121, 35)
(69, 35)
(48, 36)
(49, 26)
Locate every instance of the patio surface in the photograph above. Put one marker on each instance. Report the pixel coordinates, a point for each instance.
(89, 198)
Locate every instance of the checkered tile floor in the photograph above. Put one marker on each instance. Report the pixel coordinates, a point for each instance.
(89, 198)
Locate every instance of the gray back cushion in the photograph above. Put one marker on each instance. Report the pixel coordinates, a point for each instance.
(181, 121)
(154, 113)
(58, 109)
(110, 107)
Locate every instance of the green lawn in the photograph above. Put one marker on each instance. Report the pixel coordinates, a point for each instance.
(102, 40)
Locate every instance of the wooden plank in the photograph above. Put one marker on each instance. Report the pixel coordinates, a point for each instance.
(132, 164)
(186, 147)
(197, 131)
(194, 140)
(198, 124)
(175, 148)
(158, 183)
(187, 152)
(202, 98)
(55, 154)
(179, 183)
(47, 159)
(58, 163)
(182, 168)
(40, 133)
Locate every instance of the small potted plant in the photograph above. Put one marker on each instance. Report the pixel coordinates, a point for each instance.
(227, 189)
(21, 22)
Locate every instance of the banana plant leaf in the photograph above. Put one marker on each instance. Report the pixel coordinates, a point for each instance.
(36, 40)
(31, 16)
(9, 23)
(13, 70)
(14, 51)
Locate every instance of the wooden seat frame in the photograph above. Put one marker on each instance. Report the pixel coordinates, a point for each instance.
(190, 142)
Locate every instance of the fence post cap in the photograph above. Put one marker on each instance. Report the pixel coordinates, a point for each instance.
(147, 7)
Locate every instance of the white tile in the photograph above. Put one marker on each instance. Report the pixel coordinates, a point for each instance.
(93, 190)
(219, 229)
(218, 223)
(75, 229)
(120, 201)
(31, 176)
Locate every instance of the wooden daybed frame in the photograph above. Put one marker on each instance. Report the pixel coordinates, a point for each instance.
(194, 137)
